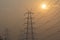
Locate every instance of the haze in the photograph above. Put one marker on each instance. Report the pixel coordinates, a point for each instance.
(47, 22)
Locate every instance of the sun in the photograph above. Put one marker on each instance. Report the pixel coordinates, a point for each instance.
(43, 6)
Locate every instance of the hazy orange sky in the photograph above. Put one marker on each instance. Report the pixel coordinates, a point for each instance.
(12, 15)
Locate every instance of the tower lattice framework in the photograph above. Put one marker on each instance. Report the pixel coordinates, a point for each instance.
(29, 26)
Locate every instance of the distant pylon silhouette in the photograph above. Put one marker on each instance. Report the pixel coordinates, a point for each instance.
(6, 34)
(29, 26)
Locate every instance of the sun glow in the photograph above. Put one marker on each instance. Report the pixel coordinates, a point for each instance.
(44, 6)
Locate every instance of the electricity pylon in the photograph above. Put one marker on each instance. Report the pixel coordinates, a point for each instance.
(1, 37)
(29, 26)
(6, 34)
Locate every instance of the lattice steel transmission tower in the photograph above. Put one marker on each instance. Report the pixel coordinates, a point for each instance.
(6, 34)
(29, 26)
